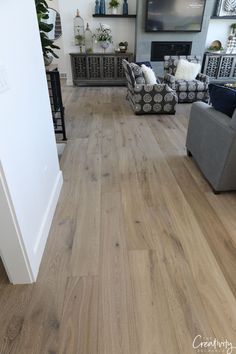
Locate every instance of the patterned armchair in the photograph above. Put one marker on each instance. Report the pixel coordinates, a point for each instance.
(187, 91)
(148, 99)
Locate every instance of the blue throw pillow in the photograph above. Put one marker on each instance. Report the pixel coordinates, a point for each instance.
(223, 99)
(147, 63)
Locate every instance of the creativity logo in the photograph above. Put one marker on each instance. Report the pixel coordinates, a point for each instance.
(204, 344)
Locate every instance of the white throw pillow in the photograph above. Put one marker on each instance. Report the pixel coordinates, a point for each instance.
(186, 70)
(149, 75)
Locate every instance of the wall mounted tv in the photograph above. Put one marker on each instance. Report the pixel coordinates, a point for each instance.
(174, 15)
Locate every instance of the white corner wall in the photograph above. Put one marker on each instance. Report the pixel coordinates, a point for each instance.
(28, 151)
(122, 29)
(219, 30)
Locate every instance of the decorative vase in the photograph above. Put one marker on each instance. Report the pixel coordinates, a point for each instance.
(97, 7)
(125, 8)
(102, 7)
(88, 36)
(104, 45)
(114, 10)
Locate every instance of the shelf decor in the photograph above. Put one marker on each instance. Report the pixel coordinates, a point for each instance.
(231, 44)
(113, 6)
(226, 8)
(125, 8)
(104, 36)
(102, 7)
(79, 31)
(88, 37)
(97, 7)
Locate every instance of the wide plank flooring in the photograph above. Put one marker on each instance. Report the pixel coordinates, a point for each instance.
(141, 256)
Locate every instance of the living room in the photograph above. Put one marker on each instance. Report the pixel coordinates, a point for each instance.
(118, 177)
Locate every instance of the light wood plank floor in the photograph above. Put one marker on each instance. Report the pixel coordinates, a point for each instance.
(141, 256)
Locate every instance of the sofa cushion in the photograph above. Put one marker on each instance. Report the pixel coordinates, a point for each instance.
(190, 85)
(138, 73)
(223, 99)
(186, 70)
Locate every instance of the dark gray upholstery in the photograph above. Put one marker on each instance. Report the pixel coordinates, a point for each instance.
(211, 140)
(148, 99)
(187, 91)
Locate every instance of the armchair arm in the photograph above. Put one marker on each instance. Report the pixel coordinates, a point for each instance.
(170, 80)
(203, 78)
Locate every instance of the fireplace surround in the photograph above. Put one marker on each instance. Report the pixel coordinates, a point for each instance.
(145, 39)
(160, 49)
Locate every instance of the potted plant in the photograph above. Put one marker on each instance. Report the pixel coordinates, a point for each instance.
(48, 45)
(80, 41)
(103, 36)
(113, 5)
(123, 47)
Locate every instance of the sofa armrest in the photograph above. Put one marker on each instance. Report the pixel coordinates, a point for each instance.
(203, 78)
(170, 80)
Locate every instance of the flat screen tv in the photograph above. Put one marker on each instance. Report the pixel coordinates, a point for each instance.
(174, 15)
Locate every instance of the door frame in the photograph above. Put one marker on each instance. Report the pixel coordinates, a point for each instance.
(12, 249)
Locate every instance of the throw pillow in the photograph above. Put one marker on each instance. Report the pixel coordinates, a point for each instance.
(186, 70)
(223, 99)
(147, 63)
(149, 75)
(138, 74)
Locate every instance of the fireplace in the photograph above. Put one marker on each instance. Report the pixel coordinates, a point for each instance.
(160, 49)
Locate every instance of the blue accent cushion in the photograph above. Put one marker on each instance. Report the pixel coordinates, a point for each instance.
(147, 63)
(223, 99)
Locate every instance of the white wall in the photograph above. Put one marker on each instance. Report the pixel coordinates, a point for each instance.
(218, 30)
(27, 146)
(122, 29)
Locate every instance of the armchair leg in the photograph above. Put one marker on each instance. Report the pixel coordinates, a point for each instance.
(189, 153)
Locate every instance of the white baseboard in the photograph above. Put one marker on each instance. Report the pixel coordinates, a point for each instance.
(69, 81)
(46, 224)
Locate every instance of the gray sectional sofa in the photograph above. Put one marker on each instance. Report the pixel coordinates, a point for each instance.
(211, 140)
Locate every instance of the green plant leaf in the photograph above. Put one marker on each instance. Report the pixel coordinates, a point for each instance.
(44, 28)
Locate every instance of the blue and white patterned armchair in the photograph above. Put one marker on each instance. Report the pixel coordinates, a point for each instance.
(187, 91)
(148, 99)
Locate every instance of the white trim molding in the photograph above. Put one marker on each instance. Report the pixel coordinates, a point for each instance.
(46, 224)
